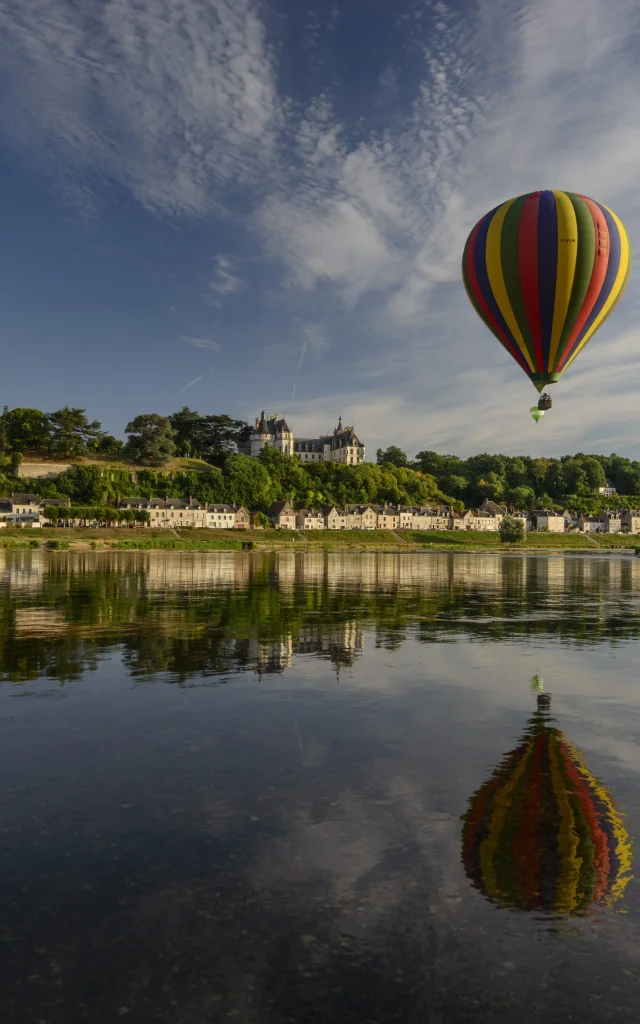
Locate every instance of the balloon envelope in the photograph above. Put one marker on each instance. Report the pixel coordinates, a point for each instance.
(542, 833)
(544, 271)
(536, 413)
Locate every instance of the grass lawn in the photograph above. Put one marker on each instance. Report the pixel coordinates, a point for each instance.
(617, 540)
(143, 538)
(179, 464)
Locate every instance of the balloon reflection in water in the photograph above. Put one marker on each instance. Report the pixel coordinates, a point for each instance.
(542, 833)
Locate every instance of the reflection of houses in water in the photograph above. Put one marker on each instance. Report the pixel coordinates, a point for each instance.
(339, 643)
(20, 571)
(39, 621)
(197, 570)
(269, 657)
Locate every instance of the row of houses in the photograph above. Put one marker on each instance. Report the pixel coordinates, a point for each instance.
(27, 510)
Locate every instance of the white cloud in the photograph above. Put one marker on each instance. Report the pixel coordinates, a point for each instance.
(207, 343)
(177, 101)
(171, 98)
(225, 281)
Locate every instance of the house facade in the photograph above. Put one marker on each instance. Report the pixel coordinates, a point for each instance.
(334, 518)
(631, 520)
(282, 515)
(554, 522)
(306, 519)
(590, 524)
(611, 522)
(608, 488)
(388, 518)
(173, 513)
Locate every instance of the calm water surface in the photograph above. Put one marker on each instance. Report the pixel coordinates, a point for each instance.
(317, 788)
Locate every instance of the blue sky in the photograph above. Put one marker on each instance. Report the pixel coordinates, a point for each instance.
(238, 205)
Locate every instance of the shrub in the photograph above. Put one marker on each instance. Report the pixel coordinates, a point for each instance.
(512, 530)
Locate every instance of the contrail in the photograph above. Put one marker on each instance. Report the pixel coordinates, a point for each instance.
(304, 349)
(299, 367)
(192, 382)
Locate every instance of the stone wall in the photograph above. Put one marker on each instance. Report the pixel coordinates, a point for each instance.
(31, 470)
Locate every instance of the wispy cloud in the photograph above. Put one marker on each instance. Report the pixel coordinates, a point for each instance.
(207, 343)
(174, 99)
(177, 102)
(225, 281)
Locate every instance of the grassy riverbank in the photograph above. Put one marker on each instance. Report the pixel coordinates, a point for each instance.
(270, 540)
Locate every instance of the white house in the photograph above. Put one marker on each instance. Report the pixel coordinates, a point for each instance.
(631, 520)
(307, 519)
(590, 524)
(608, 488)
(549, 520)
(611, 522)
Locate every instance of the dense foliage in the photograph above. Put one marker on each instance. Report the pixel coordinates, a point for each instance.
(526, 483)
(100, 514)
(517, 480)
(152, 439)
(242, 481)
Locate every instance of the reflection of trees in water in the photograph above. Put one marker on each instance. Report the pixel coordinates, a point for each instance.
(183, 614)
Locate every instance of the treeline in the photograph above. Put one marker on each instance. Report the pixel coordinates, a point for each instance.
(519, 481)
(103, 515)
(526, 483)
(151, 439)
(255, 483)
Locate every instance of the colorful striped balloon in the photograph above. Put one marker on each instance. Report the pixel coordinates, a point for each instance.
(544, 271)
(543, 834)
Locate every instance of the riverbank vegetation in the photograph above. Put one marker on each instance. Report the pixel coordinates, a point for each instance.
(188, 454)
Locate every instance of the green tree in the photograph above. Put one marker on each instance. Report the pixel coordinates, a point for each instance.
(261, 520)
(455, 484)
(491, 486)
(247, 482)
(288, 474)
(521, 497)
(595, 473)
(208, 437)
(214, 437)
(183, 423)
(16, 462)
(512, 530)
(4, 437)
(391, 456)
(71, 433)
(25, 430)
(575, 478)
(150, 439)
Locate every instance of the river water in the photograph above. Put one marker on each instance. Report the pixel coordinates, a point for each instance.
(319, 788)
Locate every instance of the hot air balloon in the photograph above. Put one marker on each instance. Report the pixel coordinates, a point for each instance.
(543, 834)
(543, 271)
(536, 413)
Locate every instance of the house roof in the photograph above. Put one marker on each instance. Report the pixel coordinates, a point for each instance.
(276, 508)
(492, 506)
(222, 508)
(25, 499)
